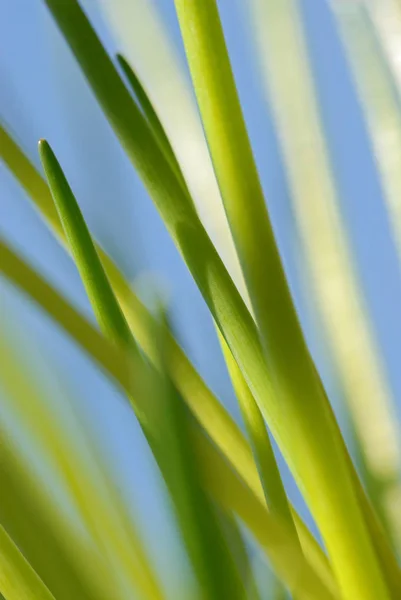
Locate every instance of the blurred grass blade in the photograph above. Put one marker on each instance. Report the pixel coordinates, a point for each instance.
(305, 406)
(207, 409)
(18, 581)
(111, 360)
(64, 560)
(371, 36)
(27, 175)
(151, 115)
(170, 440)
(91, 490)
(381, 105)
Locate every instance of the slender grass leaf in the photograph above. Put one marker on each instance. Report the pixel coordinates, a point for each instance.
(105, 306)
(287, 75)
(317, 445)
(331, 275)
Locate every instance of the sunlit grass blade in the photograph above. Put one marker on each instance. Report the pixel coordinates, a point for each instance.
(18, 581)
(252, 508)
(86, 483)
(316, 438)
(170, 439)
(150, 114)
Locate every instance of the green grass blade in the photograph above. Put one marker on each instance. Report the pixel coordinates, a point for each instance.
(105, 306)
(204, 405)
(150, 114)
(296, 380)
(18, 581)
(251, 502)
(170, 439)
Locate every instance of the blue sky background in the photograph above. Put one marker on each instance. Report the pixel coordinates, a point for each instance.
(42, 94)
